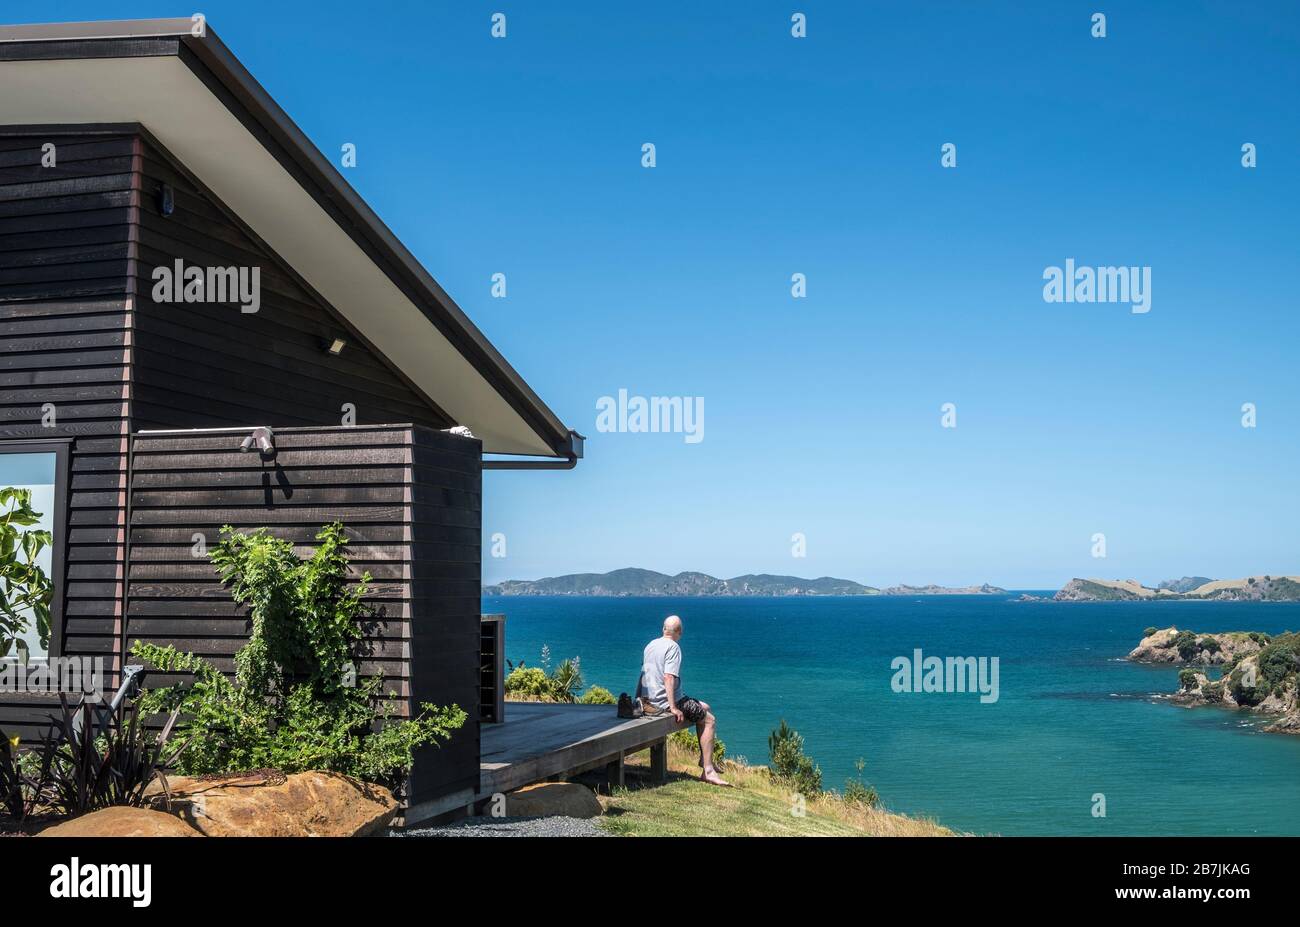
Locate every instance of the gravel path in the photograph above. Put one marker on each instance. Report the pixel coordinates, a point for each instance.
(508, 827)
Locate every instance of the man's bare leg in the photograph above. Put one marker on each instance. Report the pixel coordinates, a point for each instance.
(706, 731)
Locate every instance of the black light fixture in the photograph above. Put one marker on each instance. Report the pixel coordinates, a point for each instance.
(336, 347)
(166, 200)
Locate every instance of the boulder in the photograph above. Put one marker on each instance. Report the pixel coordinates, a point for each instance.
(122, 821)
(307, 804)
(548, 799)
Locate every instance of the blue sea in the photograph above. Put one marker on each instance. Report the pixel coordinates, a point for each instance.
(1073, 720)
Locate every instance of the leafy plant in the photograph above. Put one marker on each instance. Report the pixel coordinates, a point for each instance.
(294, 703)
(790, 764)
(597, 695)
(84, 769)
(1187, 679)
(562, 684)
(13, 784)
(688, 741)
(27, 590)
(857, 792)
(1149, 631)
(566, 680)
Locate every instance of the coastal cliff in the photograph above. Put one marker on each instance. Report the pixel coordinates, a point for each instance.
(1250, 589)
(1257, 672)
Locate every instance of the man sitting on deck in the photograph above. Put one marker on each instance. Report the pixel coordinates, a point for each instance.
(660, 688)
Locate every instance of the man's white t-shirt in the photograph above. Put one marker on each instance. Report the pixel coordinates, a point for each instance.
(662, 656)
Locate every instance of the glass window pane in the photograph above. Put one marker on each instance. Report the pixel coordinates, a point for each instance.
(34, 472)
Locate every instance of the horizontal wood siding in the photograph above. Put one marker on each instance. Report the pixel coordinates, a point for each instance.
(207, 364)
(409, 498)
(447, 506)
(65, 340)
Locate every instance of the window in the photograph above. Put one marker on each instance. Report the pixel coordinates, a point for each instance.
(38, 469)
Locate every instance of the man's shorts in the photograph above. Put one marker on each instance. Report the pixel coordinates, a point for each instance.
(691, 709)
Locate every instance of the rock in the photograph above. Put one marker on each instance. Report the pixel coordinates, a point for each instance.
(1159, 647)
(122, 821)
(1288, 724)
(567, 799)
(308, 804)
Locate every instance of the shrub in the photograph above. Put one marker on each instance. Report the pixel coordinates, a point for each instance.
(1242, 693)
(857, 792)
(597, 695)
(529, 682)
(1187, 679)
(1279, 660)
(1149, 631)
(790, 764)
(1209, 643)
(1185, 643)
(28, 592)
(294, 703)
(562, 684)
(689, 742)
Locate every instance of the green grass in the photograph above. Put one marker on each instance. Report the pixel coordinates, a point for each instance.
(756, 807)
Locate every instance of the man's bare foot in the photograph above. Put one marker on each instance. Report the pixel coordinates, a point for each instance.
(711, 776)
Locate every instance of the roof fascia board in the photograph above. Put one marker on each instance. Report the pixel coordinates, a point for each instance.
(231, 83)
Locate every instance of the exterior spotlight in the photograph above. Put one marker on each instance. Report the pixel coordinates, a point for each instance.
(336, 347)
(262, 439)
(166, 200)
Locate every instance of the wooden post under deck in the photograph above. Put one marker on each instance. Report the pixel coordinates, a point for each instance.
(659, 761)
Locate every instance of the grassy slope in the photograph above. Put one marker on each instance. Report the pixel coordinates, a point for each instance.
(756, 807)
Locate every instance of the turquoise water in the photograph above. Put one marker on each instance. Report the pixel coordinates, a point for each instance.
(1073, 718)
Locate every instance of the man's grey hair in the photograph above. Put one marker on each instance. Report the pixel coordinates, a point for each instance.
(672, 623)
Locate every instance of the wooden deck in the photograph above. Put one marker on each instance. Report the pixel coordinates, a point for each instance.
(541, 740)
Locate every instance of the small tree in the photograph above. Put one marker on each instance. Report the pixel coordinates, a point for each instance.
(27, 590)
(857, 792)
(790, 764)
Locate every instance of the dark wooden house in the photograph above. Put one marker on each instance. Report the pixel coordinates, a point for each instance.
(134, 155)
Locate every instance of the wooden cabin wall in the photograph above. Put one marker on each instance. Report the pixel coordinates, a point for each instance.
(79, 328)
(446, 572)
(203, 365)
(65, 339)
(410, 500)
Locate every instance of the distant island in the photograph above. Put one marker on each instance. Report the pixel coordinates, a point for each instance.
(1255, 671)
(632, 581)
(983, 589)
(1189, 588)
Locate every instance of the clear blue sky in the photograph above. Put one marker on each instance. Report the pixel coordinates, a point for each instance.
(821, 156)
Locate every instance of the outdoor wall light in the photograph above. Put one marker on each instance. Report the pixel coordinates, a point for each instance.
(262, 438)
(336, 347)
(166, 200)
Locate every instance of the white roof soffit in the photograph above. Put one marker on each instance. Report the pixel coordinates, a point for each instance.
(198, 101)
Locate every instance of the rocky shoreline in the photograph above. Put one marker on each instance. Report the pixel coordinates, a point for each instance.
(1259, 672)
(1250, 589)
